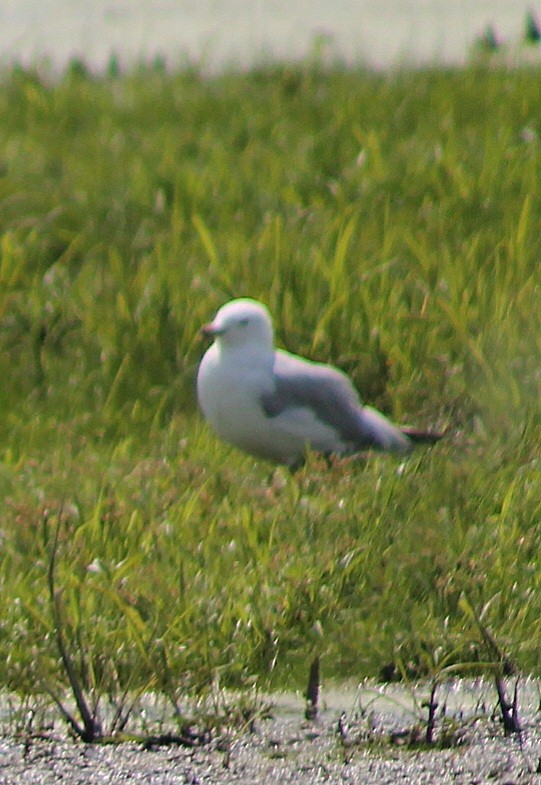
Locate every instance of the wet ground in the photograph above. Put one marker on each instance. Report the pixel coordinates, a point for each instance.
(278, 752)
(368, 742)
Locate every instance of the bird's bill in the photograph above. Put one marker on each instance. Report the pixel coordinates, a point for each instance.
(210, 330)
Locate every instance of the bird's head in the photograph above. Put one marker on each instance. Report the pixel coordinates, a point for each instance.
(241, 322)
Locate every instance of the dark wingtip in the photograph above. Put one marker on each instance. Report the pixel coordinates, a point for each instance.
(423, 437)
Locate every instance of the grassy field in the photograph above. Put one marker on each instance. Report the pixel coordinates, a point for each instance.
(391, 222)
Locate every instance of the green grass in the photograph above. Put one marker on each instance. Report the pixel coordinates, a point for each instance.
(391, 224)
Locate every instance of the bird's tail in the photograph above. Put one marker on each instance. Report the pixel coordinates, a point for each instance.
(381, 433)
(422, 437)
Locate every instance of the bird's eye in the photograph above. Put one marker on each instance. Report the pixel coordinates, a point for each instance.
(243, 322)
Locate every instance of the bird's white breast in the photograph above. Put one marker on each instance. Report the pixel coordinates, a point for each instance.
(229, 395)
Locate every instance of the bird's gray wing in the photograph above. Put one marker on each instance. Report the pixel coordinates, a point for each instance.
(328, 392)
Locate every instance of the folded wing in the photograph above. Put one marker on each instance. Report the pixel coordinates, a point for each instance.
(333, 400)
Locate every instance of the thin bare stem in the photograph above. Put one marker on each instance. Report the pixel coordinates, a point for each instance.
(90, 730)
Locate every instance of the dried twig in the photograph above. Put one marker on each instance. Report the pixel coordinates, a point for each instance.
(312, 691)
(90, 729)
(432, 705)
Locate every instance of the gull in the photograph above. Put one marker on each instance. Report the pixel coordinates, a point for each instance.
(276, 405)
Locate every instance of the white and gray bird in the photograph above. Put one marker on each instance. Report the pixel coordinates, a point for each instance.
(276, 405)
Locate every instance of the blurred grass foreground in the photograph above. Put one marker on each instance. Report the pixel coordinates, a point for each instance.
(391, 222)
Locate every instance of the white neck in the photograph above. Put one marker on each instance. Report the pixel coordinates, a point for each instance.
(245, 355)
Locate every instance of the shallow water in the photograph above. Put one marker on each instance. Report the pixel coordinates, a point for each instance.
(385, 706)
(395, 704)
(218, 32)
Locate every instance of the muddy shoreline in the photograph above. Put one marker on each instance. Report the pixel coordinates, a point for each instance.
(278, 751)
(372, 745)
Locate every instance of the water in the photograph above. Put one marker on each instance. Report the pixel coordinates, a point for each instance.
(389, 706)
(214, 33)
(396, 705)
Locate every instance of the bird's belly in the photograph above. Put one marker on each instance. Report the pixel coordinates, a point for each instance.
(284, 438)
(242, 422)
